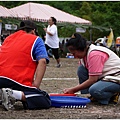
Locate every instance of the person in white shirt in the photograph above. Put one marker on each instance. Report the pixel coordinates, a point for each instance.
(52, 40)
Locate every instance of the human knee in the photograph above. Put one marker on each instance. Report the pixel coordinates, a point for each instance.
(42, 103)
(95, 93)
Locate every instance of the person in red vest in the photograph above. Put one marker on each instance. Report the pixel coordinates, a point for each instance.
(23, 60)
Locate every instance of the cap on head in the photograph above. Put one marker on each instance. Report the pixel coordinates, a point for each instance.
(28, 24)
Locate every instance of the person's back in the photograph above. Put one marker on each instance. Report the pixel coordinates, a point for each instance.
(14, 56)
(21, 55)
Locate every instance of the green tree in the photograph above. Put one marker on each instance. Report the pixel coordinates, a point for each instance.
(102, 14)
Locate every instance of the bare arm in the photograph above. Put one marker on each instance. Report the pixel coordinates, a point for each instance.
(86, 84)
(45, 29)
(39, 72)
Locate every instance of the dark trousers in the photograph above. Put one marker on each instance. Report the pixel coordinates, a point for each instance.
(35, 98)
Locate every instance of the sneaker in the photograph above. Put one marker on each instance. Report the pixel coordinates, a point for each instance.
(114, 99)
(58, 65)
(7, 100)
(53, 57)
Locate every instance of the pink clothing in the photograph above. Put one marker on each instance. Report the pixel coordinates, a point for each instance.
(95, 62)
(101, 61)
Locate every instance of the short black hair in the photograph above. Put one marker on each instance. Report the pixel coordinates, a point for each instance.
(54, 20)
(28, 25)
(77, 42)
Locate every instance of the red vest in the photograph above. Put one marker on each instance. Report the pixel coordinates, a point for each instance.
(16, 61)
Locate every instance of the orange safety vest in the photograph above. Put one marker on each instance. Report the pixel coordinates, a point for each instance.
(16, 62)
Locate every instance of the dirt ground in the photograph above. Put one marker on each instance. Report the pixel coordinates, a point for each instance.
(52, 84)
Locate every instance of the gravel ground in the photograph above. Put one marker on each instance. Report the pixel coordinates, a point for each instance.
(52, 84)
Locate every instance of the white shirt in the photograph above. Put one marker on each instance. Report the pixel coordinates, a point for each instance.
(52, 41)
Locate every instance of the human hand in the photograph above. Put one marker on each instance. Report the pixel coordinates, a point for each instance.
(45, 29)
(34, 84)
(68, 91)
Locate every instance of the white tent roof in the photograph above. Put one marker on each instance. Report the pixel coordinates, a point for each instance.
(42, 12)
(4, 12)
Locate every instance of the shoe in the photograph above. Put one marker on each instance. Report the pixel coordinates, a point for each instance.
(7, 100)
(114, 99)
(58, 65)
(92, 99)
(53, 57)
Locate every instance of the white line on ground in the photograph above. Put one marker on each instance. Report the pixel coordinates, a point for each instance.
(60, 78)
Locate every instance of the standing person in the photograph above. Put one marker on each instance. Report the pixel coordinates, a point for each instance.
(98, 65)
(52, 40)
(23, 59)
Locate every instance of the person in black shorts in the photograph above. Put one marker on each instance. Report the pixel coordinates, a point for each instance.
(52, 40)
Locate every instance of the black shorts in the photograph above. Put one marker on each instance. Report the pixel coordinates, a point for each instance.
(35, 98)
(54, 51)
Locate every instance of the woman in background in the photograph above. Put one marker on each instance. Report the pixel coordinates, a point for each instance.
(52, 40)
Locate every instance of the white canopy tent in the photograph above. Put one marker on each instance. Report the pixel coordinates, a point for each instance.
(4, 12)
(42, 12)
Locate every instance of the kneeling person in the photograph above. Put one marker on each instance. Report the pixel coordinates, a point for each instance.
(23, 60)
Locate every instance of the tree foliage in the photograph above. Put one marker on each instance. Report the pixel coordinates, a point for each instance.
(102, 14)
